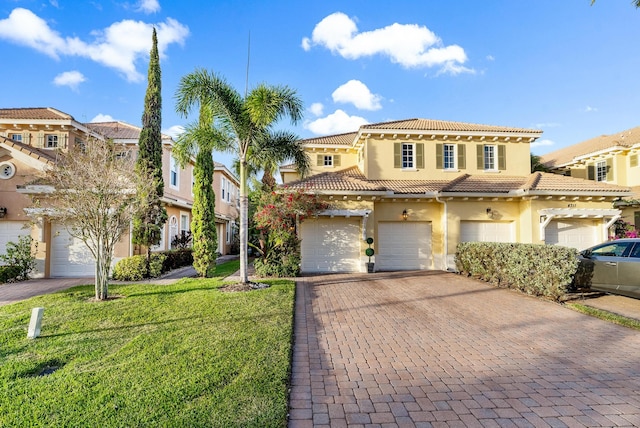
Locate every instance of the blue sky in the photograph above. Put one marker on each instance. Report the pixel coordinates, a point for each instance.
(562, 66)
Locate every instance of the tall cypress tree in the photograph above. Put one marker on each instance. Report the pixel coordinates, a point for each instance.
(147, 227)
(203, 224)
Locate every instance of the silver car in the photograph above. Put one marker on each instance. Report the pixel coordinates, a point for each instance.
(613, 267)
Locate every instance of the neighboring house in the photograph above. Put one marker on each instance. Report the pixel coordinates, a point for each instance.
(227, 189)
(609, 159)
(29, 140)
(418, 187)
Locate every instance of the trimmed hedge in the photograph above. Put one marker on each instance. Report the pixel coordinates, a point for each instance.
(134, 268)
(539, 270)
(176, 259)
(8, 273)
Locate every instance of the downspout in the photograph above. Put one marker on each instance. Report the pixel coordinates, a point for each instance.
(445, 232)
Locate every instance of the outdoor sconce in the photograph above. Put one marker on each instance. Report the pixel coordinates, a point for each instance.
(405, 215)
(489, 213)
(3, 211)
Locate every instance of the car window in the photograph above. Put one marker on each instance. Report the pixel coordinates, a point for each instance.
(635, 253)
(614, 249)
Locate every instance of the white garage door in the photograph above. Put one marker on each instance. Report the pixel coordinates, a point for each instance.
(330, 245)
(404, 246)
(11, 231)
(578, 234)
(69, 256)
(486, 231)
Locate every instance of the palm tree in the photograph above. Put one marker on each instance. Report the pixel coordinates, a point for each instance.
(250, 119)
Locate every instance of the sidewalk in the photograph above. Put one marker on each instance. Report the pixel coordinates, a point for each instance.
(16, 291)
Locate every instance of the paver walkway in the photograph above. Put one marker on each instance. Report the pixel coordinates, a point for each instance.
(436, 349)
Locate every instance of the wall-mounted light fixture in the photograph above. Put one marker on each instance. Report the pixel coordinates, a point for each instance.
(3, 211)
(489, 213)
(405, 215)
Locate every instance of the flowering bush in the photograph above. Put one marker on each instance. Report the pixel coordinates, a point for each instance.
(275, 219)
(624, 230)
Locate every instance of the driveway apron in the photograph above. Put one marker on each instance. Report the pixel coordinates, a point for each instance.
(425, 349)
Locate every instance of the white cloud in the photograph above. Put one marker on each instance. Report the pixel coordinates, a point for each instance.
(547, 125)
(149, 6)
(69, 78)
(357, 93)
(542, 143)
(409, 45)
(102, 118)
(337, 122)
(490, 58)
(119, 46)
(174, 131)
(589, 109)
(316, 109)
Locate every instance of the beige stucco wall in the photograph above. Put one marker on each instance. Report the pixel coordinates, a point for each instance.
(347, 159)
(380, 160)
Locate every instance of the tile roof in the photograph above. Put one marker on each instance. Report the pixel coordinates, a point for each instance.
(567, 155)
(352, 180)
(118, 130)
(444, 125)
(37, 113)
(335, 140)
(44, 155)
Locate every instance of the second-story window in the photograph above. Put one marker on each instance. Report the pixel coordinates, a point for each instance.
(449, 156)
(51, 141)
(408, 153)
(173, 173)
(16, 137)
(601, 171)
(490, 158)
(328, 160)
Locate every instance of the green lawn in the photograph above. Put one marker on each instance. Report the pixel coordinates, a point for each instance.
(184, 355)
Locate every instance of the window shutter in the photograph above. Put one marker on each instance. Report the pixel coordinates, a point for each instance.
(336, 160)
(633, 160)
(25, 138)
(397, 155)
(439, 156)
(320, 161)
(420, 155)
(609, 169)
(462, 156)
(591, 172)
(502, 158)
(40, 140)
(480, 153)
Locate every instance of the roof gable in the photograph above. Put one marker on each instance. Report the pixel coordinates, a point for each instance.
(567, 155)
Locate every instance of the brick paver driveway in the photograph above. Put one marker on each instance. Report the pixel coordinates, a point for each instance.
(437, 349)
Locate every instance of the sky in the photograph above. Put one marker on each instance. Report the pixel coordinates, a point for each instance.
(566, 67)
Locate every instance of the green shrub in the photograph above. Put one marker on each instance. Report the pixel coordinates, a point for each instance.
(21, 255)
(540, 270)
(8, 273)
(134, 268)
(287, 266)
(176, 259)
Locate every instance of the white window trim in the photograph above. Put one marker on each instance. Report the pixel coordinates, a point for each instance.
(494, 150)
(601, 171)
(16, 137)
(53, 137)
(188, 226)
(173, 167)
(174, 228)
(328, 161)
(413, 157)
(454, 156)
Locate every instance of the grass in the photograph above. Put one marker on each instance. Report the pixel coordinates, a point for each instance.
(181, 355)
(605, 315)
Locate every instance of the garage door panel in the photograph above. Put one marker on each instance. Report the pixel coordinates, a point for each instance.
(69, 256)
(486, 231)
(404, 246)
(330, 245)
(11, 231)
(578, 234)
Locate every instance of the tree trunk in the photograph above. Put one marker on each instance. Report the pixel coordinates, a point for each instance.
(244, 222)
(103, 266)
